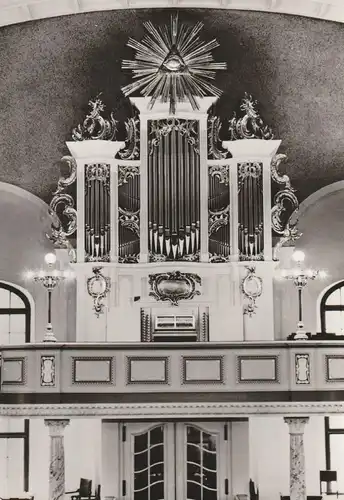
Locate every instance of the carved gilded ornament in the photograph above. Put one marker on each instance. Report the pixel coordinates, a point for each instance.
(250, 126)
(95, 126)
(98, 286)
(252, 288)
(174, 286)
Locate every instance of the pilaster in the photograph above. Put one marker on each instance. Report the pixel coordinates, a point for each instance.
(57, 458)
(297, 457)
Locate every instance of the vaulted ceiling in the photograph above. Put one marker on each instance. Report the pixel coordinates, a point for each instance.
(18, 11)
(292, 64)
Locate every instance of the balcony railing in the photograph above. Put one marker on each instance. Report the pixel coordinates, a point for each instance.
(227, 372)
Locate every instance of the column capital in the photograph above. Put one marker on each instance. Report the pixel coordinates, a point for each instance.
(56, 426)
(296, 424)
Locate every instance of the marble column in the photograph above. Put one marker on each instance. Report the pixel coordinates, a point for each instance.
(297, 457)
(57, 458)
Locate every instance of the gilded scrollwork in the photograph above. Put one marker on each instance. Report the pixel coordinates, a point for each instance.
(276, 176)
(218, 259)
(162, 128)
(215, 151)
(95, 126)
(284, 201)
(98, 286)
(290, 234)
(130, 220)
(174, 286)
(62, 209)
(250, 126)
(132, 143)
(252, 288)
(217, 219)
(129, 259)
(65, 181)
(126, 172)
(221, 172)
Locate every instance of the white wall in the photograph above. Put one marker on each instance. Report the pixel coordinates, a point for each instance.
(269, 455)
(322, 225)
(82, 455)
(259, 450)
(24, 225)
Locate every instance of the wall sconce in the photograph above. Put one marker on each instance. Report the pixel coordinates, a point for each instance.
(300, 276)
(50, 278)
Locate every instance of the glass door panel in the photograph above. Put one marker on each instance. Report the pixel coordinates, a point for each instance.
(202, 460)
(172, 461)
(148, 456)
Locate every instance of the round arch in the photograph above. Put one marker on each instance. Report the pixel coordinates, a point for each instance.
(312, 199)
(23, 194)
(20, 11)
(29, 303)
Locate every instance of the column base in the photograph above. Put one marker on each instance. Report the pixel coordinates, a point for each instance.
(49, 334)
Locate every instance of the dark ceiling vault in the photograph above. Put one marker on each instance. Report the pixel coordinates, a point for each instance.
(49, 69)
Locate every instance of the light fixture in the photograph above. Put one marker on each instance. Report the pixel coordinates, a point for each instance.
(300, 276)
(50, 278)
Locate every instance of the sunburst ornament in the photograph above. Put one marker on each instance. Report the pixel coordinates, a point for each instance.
(172, 64)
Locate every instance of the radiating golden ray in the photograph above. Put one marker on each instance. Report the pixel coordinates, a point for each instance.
(172, 64)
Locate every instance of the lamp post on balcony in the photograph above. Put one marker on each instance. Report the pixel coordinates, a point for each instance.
(50, 278)
(300, 276)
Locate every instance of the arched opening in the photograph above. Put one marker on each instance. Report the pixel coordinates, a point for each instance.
(332, 310)
(15, 315)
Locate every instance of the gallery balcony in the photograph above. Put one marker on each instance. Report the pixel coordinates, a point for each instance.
(218, 373)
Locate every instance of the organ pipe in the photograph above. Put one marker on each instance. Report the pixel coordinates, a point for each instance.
(173, 178)
(97, 214)
(250, 211)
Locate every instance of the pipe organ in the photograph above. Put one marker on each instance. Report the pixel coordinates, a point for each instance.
(176, 197)
(174, 191)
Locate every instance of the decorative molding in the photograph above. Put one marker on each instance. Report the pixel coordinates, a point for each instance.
(48, 371)
(254, 380)
(98, 286)
(94, 126)
(302, 369)
(108, 361)
(174, 286)
(205, 360)
(250, 126)
(149, 359)
(252, 288)
(21, 376)
(330, 377)
(171, 410)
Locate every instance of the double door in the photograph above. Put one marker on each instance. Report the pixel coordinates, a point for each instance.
(174, 461)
